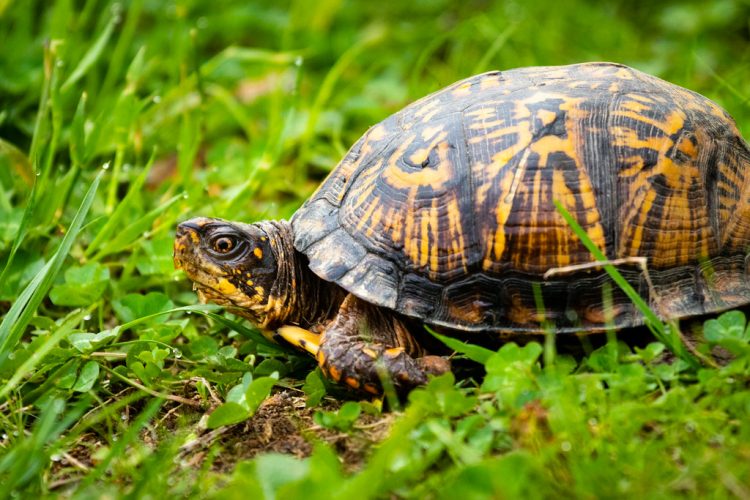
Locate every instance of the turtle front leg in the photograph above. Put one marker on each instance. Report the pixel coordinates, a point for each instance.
(365, 342)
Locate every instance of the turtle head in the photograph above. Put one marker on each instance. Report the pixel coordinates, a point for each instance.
(230, 263)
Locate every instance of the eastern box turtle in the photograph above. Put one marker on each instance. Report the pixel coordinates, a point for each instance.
(443, 215)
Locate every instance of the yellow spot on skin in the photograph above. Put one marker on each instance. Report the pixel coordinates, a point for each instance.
(258, 252)
(249, 282)
(225, 287)
(554, 73)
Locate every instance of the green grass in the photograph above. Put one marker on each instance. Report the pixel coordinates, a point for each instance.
(119, 119)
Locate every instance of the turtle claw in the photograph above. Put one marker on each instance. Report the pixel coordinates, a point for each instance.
(362, 365)
(299, 337)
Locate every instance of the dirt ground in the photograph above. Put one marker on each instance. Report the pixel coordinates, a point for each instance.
(283, 424)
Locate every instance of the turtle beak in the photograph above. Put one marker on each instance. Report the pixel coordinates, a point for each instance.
(187, 238)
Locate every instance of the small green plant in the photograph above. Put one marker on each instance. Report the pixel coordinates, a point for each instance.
(242, 400)
(342, 419)
(730, 331)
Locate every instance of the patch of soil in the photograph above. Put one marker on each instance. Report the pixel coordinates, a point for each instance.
(283, 424)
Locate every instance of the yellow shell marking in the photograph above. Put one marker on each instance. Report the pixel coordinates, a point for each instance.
(557, 238)
(490, 82)
(435, 177)
(462, 90)
(377, 133)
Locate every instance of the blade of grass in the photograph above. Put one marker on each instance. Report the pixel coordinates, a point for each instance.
(472, 351)
(190, 141)
(182, 97)
(124, 440)
(134, 231)
(124, 42)
(19, 162)
(498, 44)
(30, 454)
(653, 322)
(550, 351)
(32, 361)
(207, 311)
(4, 4)
(50, 49)
(370, 38)
(23, 309)
(122, 211)
(55, 123)
(247, 55)
(91, 56)
(78, 133)
(23, 228)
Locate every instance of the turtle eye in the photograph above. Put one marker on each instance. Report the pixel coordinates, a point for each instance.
(224, 244)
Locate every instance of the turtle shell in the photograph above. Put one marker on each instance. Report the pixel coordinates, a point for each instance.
(444, 211)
